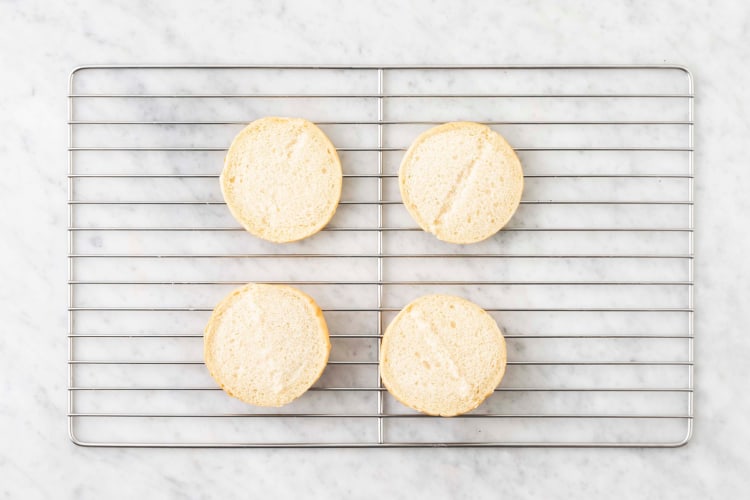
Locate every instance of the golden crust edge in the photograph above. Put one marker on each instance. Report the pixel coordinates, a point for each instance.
(216, 317)
(336, 162)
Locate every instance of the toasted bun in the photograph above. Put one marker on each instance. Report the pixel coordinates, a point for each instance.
(266, 344)
(282, 179)
(461, 181)
(442, 355)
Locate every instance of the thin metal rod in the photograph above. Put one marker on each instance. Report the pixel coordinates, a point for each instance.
(380, 262)
(511, 337)
(382, 176)
(364, 150)
(378, 96)
(415, 229)
(396, 309)
(385, 202)
(372, 256)
(387, 122)
(399, 67)
(375, 363)
(373, 415)
(71, 266)
(369, 445)
(382, 389)
(383, 282)
(691, 264)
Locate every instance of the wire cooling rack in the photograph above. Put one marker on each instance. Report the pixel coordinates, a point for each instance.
(592, 281)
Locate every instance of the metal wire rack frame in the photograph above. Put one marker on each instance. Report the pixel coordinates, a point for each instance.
(381, 417)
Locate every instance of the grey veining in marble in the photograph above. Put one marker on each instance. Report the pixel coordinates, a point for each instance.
(40, 42)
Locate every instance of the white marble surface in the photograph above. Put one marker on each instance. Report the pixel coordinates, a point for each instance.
(40, 43)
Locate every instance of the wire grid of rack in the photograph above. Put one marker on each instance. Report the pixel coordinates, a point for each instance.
(592, 281)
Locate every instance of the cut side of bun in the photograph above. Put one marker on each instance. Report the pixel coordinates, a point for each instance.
(282, 179)
(461, 181)
(266, 344)
(442, 355)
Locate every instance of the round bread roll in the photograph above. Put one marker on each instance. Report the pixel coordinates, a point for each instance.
(461, 182)
(266, 344)
(282, 179)
(442, 355)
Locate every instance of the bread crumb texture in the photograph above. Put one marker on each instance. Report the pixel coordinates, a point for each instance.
(282, 179)
(442, 355)
(266, 344)
(461, 181)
